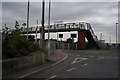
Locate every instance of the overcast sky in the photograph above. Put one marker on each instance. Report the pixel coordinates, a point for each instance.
(101, 15)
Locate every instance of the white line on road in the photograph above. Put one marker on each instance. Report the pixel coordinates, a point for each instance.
(53, 76)
(71, 69)
(84, 65)
(78, 60)
(74, 61)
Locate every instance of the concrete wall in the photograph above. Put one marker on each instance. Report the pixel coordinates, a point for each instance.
(51, 46)
(14, 64)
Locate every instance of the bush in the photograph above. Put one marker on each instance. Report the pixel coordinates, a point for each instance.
(15, 45)
(90, 46)
(73, 46)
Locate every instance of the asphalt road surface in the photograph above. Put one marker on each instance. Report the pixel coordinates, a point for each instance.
(83, 64)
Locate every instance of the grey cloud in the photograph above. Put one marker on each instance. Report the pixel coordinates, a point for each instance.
(66, 11)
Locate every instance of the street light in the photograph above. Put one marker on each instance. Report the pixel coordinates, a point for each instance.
(42, 28)
(101, 36)
(36, 31)
(116, 33)
(110, 40)
(49, 29)
(28, 19)
(49, 19)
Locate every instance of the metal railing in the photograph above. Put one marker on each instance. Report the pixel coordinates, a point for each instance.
(93, 34)
(79, 25)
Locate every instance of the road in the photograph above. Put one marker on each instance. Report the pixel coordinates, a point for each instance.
(83, 64)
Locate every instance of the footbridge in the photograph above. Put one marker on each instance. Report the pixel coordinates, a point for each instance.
(84, 31)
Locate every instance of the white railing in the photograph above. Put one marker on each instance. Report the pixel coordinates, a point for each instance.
(79, 25)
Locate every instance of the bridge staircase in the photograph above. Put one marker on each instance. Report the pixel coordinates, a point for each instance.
(91, 37)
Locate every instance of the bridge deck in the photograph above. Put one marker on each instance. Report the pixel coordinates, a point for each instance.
(67, 27)
(55, 30)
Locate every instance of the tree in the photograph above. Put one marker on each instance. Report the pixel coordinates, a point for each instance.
(15, 45)
(24, 24)
(69, 40)
(16, 25)
(31, 38)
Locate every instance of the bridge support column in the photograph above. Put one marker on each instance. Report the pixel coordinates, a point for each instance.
(81, 40)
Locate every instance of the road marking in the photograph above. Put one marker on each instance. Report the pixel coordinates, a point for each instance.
(84, 65)
(71, 69)
(53, 76)
(76, 60)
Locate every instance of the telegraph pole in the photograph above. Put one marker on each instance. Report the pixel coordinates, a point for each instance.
(49, 19)
(28, 19)
(100, 36)
(116, 33)
(42, 28)
(49, 28)
(36, 31)
(110, 40)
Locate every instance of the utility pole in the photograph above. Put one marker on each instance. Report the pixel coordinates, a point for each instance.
(5, 25)
(100, 36)
(49, 19)
(116, 33)
(28, 19)
(49, 28)
(110, 40)
(42, 28)
(36, 30)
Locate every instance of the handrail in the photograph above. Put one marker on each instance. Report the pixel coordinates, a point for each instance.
(93, 34)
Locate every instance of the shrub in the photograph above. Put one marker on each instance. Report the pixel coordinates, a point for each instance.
(15, 45)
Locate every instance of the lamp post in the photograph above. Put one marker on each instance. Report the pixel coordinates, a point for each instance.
(28, 19)
(110, 40)
(49, 19)
(36, 31)
(116, 33)
(42, 28)
(101, 36)
(49, 29)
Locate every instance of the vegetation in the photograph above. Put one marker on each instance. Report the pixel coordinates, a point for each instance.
(71, 42)
(90, 45)
(14, 44)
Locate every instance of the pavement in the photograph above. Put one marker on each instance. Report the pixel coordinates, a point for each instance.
(54, 59)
